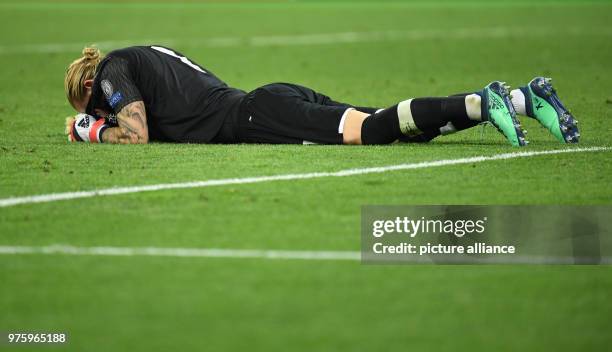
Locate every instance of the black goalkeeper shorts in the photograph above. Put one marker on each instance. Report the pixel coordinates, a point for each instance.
(283, 113)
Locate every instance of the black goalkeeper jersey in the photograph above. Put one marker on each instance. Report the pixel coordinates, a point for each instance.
(184, 102)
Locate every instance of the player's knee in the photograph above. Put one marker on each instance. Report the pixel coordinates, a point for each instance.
(352, 127)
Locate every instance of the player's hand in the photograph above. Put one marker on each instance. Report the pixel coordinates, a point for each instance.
(85, 128)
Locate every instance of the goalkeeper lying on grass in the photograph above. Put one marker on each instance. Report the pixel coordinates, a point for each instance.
(142, 94)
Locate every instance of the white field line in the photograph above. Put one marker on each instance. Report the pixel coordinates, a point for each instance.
(52, 197)
(319, 38)
(182, 252)
(275, 254)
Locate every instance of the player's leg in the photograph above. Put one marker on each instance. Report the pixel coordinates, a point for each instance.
(415, 120)
(295, 114)
(539, 100)
(288, 113)
(425, 137)
(308, 110)
(419, 116)
(457, 122)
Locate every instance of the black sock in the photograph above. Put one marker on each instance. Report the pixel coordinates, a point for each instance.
(464, 122)
(381, 128)
(458, 117)
(428, 115)
(433, 113)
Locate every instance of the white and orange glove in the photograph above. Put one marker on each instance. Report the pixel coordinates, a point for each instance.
(86, 128)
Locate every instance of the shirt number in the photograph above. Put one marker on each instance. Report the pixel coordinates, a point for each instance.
(182, 58)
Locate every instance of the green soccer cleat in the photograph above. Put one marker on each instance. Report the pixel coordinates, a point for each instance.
(543, 104)
(498, 110)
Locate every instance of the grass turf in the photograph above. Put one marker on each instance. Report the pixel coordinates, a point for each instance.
(163, 303)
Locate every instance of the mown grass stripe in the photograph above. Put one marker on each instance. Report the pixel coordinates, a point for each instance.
(307, 39)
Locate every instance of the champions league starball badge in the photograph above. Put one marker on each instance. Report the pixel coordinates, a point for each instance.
(107, 88)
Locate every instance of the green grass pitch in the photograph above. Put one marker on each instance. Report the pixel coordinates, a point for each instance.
(367, 52)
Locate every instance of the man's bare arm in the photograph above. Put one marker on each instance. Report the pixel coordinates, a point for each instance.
(132, 128)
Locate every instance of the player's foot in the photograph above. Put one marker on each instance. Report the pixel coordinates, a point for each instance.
(497, 109)
(543, 104)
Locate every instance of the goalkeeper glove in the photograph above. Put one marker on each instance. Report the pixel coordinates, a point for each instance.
(87, 128)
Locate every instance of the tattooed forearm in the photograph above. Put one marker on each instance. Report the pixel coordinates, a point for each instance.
(132, 128)
(120, 135)
(136, 112)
